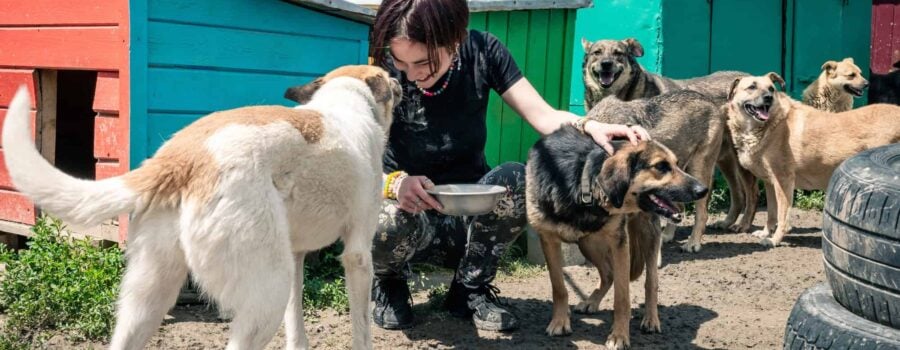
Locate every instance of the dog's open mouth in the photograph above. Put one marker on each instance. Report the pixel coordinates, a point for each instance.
(607, 78)
(760, 112)
(660, 205)
(853, 91)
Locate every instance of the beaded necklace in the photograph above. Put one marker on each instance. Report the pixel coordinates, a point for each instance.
(446, 81)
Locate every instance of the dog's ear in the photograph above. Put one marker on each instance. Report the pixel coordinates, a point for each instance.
(634, 47)
(896, 65)
(734, 85)
(586, 44)
(775, 78)
(303, 93)
(829, 66)
(615, 176)
(848, 60)
(380, 87)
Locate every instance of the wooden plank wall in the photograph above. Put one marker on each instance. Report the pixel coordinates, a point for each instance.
(82, 35)
(885, 35)
(541, 41)
(193, 58)
(14, 206)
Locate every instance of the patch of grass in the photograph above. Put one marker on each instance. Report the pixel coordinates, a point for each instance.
(514, 264)
(324, 285)
(436, 296)
(60, 284)
(809, 200)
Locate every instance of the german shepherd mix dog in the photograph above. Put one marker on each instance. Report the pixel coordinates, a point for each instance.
(610, 68)
(835, 88)
(689, 123)
(791, 145)
(577, 193)
(237, 197)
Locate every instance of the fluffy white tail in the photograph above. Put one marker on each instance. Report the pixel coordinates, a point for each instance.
(85, 202)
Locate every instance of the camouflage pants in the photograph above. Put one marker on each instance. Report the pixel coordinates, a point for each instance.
(471, 245)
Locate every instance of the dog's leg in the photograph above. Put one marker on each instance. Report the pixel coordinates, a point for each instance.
(651, 323)
(731, 171)
(357, 261)
(784, 196)
(702, 169)
(592, 248)
(552, 247)
(154, 275)
(751, 199)
(294, 330)
(621, 253)
(771, 213)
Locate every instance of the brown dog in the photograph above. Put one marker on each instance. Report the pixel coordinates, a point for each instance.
(791, 145)
(576, 192)
(835, 88)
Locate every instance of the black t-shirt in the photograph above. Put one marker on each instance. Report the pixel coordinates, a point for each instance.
(443, 136)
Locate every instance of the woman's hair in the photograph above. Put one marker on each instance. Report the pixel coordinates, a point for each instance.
(434, 23)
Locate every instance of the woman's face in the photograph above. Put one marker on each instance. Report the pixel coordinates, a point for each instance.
(411, 57)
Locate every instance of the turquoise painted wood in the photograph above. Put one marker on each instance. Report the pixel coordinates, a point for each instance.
(686, 35)
(540, 41)
(193, 58)
(616, 19)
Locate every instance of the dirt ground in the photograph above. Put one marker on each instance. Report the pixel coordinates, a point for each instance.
(734, 294)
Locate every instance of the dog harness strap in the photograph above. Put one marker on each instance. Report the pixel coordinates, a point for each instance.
(586, 197)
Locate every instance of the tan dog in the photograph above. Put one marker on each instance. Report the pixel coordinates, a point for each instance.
(791, 145)
(835, 88)
(576, 192)
(237, 198)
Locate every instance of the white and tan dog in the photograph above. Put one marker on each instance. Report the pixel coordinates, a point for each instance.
(836, 87)
(237, 198)
(794, 146)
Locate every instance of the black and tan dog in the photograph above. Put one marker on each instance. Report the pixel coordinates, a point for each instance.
(610, 69)
(576, 192)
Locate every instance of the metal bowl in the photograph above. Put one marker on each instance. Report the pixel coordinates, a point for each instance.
(467, 199)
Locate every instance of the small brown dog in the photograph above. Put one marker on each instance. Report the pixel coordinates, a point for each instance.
(836, 86)
(576, 192)
(791, 145)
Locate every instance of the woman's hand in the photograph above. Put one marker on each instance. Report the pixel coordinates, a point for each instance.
(412, 196)
(603, 133)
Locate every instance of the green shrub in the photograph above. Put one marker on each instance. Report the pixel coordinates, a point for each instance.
(323, 284)
(58, 285)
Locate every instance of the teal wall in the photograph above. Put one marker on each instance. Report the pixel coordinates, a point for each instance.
(190, 58)
(689, 38)
(616, 19)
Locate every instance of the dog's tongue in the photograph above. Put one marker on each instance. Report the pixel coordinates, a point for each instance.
(606, 78)
(763, 113)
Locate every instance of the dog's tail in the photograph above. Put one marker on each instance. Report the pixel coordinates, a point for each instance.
(84, 202)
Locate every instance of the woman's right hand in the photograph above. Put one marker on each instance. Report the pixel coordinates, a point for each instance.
(412, 196)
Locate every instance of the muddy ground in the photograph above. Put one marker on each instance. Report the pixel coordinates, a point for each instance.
(734, 294)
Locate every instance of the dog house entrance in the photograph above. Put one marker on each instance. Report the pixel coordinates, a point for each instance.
(66, 118)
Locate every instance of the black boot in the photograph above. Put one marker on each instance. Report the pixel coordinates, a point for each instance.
(393, 304)
(482, 304)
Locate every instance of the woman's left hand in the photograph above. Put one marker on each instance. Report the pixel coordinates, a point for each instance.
(603, 133)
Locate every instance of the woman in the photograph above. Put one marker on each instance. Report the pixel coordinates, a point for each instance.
(438, 136)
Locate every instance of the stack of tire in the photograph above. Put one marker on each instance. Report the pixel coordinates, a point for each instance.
(859, 307)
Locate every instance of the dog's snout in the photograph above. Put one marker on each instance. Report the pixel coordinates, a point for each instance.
(699, 190)
(606, 64)
(768, 99)
(865, 84)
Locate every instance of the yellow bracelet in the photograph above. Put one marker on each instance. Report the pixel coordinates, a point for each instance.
(388, 182)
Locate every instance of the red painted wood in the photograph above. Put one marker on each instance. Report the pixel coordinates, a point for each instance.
(15, 207)
(108, 137)
(3, 118)
(55, 12)
(882, 32)
(106, 96)
(11, 79)
(98, 48)
(895, 36)
(5, 181)
(105, 170)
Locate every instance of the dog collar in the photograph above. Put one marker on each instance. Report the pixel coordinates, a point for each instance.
(586, 195)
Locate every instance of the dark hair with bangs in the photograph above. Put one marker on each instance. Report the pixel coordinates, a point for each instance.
(434, 23)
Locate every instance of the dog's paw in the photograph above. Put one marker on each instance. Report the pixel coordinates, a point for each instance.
(768, 242)
(723, 225)
(587, 307)
(559, 327)
(617, 342)
(739, 227)
(691, 247)
(651, 325)
(760, 233)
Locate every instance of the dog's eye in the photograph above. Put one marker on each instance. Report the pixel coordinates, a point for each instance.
(851, 75)
(752, 87)
(618, 53)
(596, 53)
(771, 89)
(663, 167)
